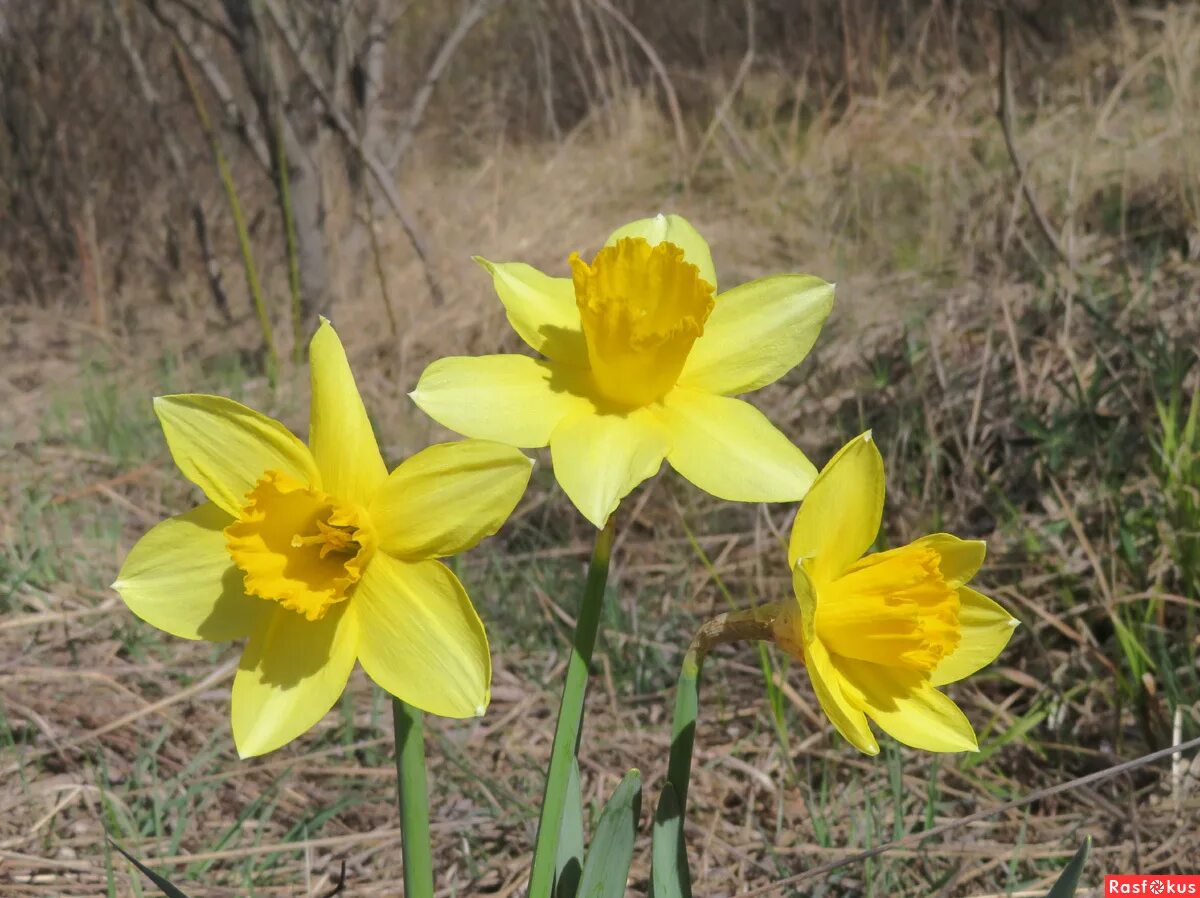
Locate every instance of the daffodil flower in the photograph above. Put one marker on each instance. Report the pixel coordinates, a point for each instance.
(321, 557)
(879, 633)
(642, 358)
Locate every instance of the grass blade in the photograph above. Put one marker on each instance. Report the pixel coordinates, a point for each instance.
(568, 864)
(165, 885)
(607, 866)
(1068, 880)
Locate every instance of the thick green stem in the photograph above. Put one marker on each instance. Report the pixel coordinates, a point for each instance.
(570, 717)
(413, 796)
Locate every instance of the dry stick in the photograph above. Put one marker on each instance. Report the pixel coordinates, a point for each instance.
(727, 101)
(1004, 113)
(235, 208)
(656, 63)
(212, 267)
(350, 135)
(1048, 792)
(254, 141)
(471, 16)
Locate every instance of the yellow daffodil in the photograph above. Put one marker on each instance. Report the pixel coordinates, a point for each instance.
(322, 557)
(642, 357)
(879, 633)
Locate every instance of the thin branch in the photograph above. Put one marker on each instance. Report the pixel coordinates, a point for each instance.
(1004, 113)
(471, 16)
(660, 69)
(344, 127)
(175, 154)
(244, 128)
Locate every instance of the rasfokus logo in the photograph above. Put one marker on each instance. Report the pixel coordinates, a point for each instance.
(1137, 884)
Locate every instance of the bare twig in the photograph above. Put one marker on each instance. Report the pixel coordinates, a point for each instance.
(727, 101)
(175, 154)
(1004, 113)
(471, 16)
(245, 129)
(660, 70)
(345, 128)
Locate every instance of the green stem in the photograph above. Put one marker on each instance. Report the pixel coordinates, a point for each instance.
(413, 796)
(570, 717)
(753, 624)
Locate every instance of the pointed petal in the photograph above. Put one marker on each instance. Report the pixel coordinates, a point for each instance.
(225, 448)
(960, 558)
(728, 448)
(446, 498)
(840, 516)
(598, 459)
(907, 707)
(339, 433)
(292, 672)
(757, 333)
(827, 685)
(511, 399)
(179, 578)
(674, 229)
(421, 639)
(986, 629)
(541, 309)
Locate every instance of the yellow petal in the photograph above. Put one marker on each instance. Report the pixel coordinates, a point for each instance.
(757, 333)
(827, 685)
(985, 628)
(728, 448)
(511, 399)
(840, 516)
(225, 448)
(907, 707)
(960, 558)
(540, 308)
(599, 459)
(179, 578)
(674, 229)
(421, 639)
(446, 498)
(339, 432)
(292, 672)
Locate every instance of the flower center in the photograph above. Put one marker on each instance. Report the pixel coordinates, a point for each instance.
(299, 546)
(642, 308)
(892, 608)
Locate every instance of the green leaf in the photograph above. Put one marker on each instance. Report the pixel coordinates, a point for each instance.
(607, 866)
(568, 863)
(669, 877)
(165, 885)
(1068, 881)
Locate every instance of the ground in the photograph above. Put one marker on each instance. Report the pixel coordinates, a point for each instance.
(1035, 397)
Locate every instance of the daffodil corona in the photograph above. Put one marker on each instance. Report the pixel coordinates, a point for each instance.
(879, 633)
(642, 358)
(321, 557)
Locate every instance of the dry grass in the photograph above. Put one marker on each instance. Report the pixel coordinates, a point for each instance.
(1014, 397)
